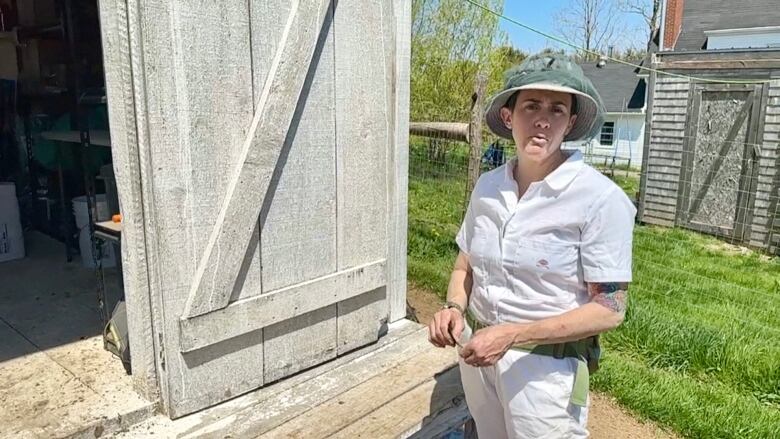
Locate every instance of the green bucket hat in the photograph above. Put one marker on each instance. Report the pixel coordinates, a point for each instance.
(553, 72)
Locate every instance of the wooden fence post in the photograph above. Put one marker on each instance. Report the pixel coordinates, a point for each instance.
(475, 133)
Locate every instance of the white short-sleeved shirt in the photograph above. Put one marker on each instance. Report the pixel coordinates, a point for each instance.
(531, 258)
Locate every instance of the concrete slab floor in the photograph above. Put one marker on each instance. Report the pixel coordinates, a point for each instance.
(56, 380)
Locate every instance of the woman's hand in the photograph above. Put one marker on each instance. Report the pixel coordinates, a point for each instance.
(488, 345)
(445, 327)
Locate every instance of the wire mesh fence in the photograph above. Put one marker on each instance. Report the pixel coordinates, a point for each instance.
(445, 157)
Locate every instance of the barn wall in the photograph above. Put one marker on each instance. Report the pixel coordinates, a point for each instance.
(668, 116)
(765, 227)
(668, 124)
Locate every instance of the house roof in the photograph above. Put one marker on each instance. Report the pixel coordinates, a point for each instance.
(705, 15)
(619, 86)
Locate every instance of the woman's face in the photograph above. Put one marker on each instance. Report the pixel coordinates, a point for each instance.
(539, 122)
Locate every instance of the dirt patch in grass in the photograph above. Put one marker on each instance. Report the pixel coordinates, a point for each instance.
(734, 250)
(421, 304)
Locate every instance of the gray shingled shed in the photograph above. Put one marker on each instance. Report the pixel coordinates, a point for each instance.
(712, 155)
(260, 155)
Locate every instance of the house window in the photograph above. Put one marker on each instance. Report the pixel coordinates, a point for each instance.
(607, 133)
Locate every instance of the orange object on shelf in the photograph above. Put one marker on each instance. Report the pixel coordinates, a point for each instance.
(117, 218)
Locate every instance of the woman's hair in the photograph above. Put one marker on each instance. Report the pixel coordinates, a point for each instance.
(510, 103)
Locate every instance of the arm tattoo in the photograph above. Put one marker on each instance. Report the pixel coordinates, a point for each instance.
(612, 295)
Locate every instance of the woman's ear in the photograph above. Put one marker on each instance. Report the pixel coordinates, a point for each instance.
(572, 119)
(506, 117)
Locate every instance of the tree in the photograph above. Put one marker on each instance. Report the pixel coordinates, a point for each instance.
(591, 24)
(509, 55)
(452, 41)
(501, 59)
(630, 54)
(649, 10)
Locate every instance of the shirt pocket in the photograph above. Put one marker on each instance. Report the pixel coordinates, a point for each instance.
(552, 261)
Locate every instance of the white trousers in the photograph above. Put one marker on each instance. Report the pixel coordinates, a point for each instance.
(524, 396)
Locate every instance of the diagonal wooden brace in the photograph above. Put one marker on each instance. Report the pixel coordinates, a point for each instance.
(227, 246)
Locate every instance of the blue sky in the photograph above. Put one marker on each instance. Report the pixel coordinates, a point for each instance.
(540, 14)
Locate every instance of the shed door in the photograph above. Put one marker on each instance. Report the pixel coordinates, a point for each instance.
(268, 130)
(720, 152)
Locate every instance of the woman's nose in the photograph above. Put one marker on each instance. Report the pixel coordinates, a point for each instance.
(542, 122)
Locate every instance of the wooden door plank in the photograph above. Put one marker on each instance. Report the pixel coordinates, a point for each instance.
(361, 320)
(193, 85)
(362, 137)
(298, 236)
(229, 239)
(364, 65)
(299, 343)
(264, 310)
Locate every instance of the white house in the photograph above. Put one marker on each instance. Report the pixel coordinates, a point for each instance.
(621, 138)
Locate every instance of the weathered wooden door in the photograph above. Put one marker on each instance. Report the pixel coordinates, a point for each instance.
(272, 178)
(720, 152)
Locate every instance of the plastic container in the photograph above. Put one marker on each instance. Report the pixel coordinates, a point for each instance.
(82, 224)
(11, 236)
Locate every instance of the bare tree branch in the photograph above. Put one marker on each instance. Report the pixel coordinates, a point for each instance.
(591, 24)
(649, 10)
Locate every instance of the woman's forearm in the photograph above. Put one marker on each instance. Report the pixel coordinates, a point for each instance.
(585, 321)
(604, 312)
(460, 281)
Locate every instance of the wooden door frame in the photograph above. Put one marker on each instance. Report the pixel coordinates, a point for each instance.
(398, 165)
(128, 120)
(746, 185)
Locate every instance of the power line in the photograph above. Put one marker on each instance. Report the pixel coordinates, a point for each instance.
(592, 52)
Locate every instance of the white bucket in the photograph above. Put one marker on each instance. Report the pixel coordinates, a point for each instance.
(11, 236)
(82, 224)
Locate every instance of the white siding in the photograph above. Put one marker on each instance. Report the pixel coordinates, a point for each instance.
(627, 145)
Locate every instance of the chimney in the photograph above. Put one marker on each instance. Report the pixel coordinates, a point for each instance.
(672, 23)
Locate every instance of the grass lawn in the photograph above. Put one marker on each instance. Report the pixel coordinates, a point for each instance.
(699, 350)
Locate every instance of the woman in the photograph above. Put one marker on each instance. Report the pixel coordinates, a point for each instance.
(544, 262)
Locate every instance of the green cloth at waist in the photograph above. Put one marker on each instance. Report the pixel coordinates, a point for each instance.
(586, 351)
